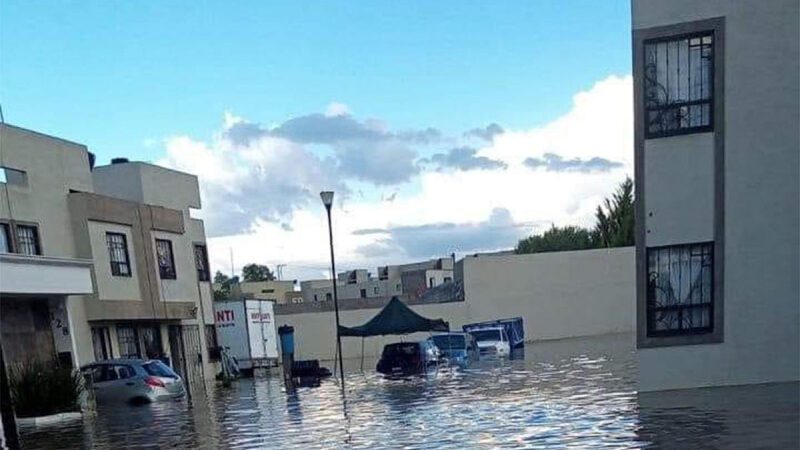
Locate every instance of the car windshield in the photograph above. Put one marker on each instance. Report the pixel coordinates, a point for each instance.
(405, 349)
(450, 341)
(158, 369)
(486, 335)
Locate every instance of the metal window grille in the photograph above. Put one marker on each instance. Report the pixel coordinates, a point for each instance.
(28, 240)
(166, 261)
(211, 343)
(201, 263)
(128, 339)
(678, 85)
(680, 289)
(118, 254)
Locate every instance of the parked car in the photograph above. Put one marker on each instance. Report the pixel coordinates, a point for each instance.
(408, 358)
(492, 340)
(456, 348)
(133, 381)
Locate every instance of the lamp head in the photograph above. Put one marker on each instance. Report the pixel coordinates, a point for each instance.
(327, 198)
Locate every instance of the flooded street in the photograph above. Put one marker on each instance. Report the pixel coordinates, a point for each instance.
(567, 394)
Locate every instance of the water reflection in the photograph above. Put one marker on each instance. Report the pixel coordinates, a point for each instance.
(576, 393)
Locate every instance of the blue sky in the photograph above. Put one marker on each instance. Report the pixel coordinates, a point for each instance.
(113, 74)
(442, 126)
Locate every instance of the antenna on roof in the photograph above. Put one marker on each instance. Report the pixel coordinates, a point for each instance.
(2, 119)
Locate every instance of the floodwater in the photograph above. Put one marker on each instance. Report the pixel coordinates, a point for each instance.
(576, 393)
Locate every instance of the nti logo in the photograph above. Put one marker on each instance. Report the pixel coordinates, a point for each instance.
(225, 315)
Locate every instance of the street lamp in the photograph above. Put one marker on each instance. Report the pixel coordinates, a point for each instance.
(327, 200)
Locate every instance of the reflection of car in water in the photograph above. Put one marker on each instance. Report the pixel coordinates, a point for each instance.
(133, 380)
(456, 348)
(492, 340)
(408, 358)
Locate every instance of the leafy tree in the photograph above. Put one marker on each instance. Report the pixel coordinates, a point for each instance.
(222, 285)
(257, 272)
(615, 222)
(614, 227)
(557, 239)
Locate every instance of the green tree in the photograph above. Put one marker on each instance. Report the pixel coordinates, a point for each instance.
(615, 218)
(556, 239)
(257, 272)
(222, 285)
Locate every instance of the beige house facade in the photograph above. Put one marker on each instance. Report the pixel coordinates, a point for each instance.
(129, 223)
(717, 154)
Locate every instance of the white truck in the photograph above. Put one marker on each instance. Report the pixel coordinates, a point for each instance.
(246, 329)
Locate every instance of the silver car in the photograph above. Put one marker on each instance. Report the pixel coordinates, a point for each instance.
(133, 381)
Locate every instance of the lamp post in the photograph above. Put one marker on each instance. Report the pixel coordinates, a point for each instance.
(327, 200)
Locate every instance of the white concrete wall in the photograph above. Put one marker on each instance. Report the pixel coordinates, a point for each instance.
(111, 287)
(762, 194)
(559, 295)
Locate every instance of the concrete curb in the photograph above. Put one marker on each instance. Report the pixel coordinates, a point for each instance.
(49, 420)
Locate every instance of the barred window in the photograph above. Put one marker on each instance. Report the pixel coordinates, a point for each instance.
(166, 261)
(28, 240)
(680, 289)
(128, 339)
(201, 262)
(5, 238)
(212, 345)
(118, 254)
(678, 85)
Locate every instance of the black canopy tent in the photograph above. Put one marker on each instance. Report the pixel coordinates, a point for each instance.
(394, 318)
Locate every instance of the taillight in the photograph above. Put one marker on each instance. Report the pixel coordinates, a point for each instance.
(154, 382)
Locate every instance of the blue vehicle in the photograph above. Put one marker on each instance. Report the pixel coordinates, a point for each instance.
(513, 327)
(456, 348)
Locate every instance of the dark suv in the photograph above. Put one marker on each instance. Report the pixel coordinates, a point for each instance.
(408, 358)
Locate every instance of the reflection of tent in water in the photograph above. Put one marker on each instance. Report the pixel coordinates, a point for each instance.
(394, 318)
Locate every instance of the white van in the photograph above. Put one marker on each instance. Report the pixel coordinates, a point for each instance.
(492, 340)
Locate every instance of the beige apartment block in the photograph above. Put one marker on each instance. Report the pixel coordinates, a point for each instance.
(717, 156)
(128, 227)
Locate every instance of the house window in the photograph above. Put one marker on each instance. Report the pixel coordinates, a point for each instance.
(28, 240)
(315, 298)
(118, 254)
(128, 339)
(678, 85)
(5, 238)
(201, 262)
(166, 261)
(363, 293)
(431, 282)
(375, 290)
(101, 341)
(328, 296)
(680, 289)
(447, 279)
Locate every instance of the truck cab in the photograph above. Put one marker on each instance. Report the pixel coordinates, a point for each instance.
(492, 340)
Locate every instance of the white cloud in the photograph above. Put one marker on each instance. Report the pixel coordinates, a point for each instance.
(278, 180)
(337, 109)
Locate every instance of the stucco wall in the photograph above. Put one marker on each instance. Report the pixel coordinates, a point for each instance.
(558, 295)
(761, 196)
(111, 287)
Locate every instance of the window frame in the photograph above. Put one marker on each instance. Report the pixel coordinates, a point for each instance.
(115, 265)
(710, 101)
(36, 235)
(166, 273)
(203, 274)
(6, 226)
(649, 309)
